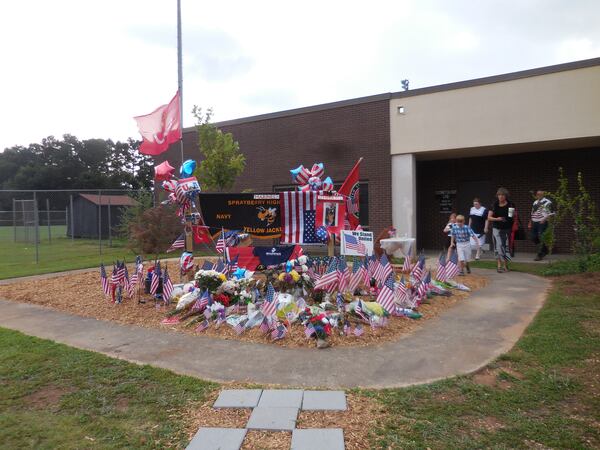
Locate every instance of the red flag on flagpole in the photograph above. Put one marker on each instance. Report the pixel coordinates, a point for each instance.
(351, 190)
(160, 128)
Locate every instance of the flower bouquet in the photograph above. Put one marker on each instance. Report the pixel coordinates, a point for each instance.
(209, 279)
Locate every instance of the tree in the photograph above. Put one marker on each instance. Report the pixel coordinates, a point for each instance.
(153, 230)
(223, 162)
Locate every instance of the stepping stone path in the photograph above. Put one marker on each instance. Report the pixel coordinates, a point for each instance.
(275, 410)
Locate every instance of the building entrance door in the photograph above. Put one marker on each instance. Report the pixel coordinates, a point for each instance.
(468, 190)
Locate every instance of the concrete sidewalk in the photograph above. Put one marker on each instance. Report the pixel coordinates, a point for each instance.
(461, 340)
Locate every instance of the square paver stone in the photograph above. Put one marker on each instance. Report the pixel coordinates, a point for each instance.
(324, 401)
(273, 419)
(238, 398)
(318, 439)
(218, 439)
(278, 398)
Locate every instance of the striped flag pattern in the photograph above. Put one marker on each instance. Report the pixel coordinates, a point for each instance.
(201, 302)
(177, 244)
(220, 245)
(329, 279)
(452, 268)
(383, 270)
(419, 269)
(357, 275)
(298, 215)
(353, 243)
(269, 306)
(440, 274)
(386, 297)
(104, 280)
(167, 286)
(155, 281)
(342, 274)
(400, 290)
(279, 332)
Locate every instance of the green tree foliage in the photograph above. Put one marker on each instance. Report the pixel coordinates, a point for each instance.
(578, 207)
(70, 163)
(222, 162)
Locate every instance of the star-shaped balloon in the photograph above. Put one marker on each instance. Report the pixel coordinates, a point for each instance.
(163, 171)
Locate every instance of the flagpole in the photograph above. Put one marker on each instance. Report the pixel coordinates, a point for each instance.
(180, 77)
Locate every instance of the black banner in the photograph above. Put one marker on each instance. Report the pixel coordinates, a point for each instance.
(255, 214)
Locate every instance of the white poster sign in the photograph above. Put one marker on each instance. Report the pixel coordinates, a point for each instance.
(357, 243)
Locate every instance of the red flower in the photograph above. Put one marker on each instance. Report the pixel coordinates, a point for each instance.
(223, 299)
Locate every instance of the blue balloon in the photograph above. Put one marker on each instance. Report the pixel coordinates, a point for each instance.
(296, 171)
(239, 273)
(289, 266)
(321, 233)
(187, 168)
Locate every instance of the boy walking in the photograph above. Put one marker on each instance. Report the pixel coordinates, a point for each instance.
(461, 236)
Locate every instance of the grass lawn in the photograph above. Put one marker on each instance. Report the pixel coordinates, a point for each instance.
(544, 393)
(58, 255)
(54, 396)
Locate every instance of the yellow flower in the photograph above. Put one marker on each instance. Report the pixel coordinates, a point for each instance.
(295, 275)
(281, 275)
(222, 277)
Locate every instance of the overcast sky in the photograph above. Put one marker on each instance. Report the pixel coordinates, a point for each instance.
(87, 67)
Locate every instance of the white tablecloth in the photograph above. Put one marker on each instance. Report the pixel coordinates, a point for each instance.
(393, 245)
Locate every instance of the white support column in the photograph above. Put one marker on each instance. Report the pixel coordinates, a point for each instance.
(404, 195)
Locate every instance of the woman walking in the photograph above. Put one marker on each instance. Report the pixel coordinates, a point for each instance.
(501, 215)
(478, 221)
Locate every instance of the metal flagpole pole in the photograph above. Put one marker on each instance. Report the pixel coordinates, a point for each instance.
(180, 77)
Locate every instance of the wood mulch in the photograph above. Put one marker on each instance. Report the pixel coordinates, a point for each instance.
(363, 414)
(81, 294)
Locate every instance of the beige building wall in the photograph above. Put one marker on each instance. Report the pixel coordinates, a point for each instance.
(547, 107)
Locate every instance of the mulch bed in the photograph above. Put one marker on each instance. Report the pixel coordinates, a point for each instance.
(81, 294)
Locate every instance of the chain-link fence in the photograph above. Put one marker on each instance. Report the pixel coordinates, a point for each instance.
(62, 227)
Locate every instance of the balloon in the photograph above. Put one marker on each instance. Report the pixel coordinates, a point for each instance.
(186, 262)
(163, 171)
(321, 233)
(187, 168)
(328, 184)
(310, 180)
(289, 266)
(169, 185)
(239, 273)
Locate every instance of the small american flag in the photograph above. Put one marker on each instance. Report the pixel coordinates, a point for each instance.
(440, 274)
(265, 326)
(104, 280)
(309, 330)
(424, 286)
(419, 269)
(346, 328)
(400, 290)
(132, 284)
(114, 279)
(221, 244)
(240, 327)
(155, 278)
(203, 326)
(121, 272)
(452, 268)
(178, 243)
(406, 266)
(356, 276)
(201, 302)
(279, 332)
(167, 286)
(358, 331)
(353, 243)
(220, 267)
(342, 274)
(233, 264)
(207, 265)
(359, 308)
(384, 270)
(386, 297)
(269, 306)
(329, 279)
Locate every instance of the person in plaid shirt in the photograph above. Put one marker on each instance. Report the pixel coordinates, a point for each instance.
(461, 236)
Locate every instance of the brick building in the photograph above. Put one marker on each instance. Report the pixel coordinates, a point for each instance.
(465, 139)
